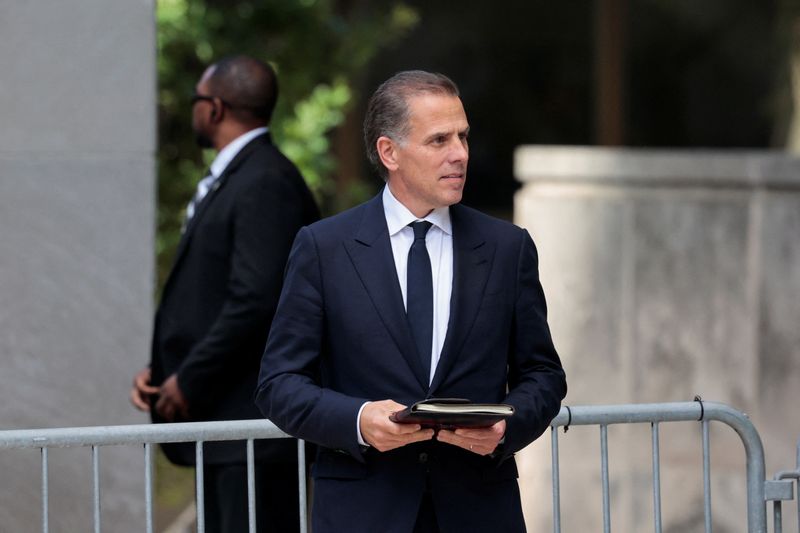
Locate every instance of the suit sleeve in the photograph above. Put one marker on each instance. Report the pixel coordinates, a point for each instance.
(536, 380)
(264, 224)
(289, 391)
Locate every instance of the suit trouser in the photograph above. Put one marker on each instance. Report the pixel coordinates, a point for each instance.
(225, 498)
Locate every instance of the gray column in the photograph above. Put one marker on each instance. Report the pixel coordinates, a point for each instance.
(77, 201)
(668, 274)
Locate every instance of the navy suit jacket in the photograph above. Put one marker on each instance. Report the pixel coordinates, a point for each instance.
(340, 338)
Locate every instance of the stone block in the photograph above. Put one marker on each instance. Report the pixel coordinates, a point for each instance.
(668, 274)
(77, 208)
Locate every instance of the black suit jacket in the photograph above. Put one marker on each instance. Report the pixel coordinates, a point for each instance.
(220, 297)
(341, 337)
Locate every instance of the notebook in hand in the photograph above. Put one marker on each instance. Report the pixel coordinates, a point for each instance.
(451, 413)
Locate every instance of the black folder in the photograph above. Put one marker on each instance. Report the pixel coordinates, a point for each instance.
(451, 413)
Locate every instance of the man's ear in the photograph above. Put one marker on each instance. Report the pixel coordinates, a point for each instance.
(217, 110)
(387, 151)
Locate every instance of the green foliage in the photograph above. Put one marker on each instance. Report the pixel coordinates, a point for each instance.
(304, 136)
(317, 47)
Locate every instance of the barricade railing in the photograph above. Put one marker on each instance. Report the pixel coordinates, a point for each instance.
(655, 414)
(759, 490)
(148, 435)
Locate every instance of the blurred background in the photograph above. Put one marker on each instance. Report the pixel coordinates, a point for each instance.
(653, 73)
(98, 161)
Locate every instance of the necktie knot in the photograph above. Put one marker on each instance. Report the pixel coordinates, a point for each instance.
(420, 228)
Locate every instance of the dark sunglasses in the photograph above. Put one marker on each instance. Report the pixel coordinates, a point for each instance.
(198, 97)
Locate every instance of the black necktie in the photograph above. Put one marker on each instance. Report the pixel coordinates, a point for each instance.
(419, 305)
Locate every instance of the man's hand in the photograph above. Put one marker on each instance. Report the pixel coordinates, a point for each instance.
(141, 390)
(482, 441)
(383, 434)
(171, 404)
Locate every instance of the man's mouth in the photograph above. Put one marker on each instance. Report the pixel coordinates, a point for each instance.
(455, 176)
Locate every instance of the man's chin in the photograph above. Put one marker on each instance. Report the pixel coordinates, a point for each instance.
(453, 198)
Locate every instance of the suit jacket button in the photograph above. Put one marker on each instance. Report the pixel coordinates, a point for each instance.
(423, 457)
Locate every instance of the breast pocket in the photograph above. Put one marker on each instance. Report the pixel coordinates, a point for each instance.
(491, 300)
(492, 323)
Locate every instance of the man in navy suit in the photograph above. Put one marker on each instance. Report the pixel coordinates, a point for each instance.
(218, 301)
(406, 297)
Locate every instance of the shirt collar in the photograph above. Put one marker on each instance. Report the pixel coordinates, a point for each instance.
(226, 155)
(398, 216)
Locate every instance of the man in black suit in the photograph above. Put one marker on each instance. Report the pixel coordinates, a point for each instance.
(220, 297)
(406, 297)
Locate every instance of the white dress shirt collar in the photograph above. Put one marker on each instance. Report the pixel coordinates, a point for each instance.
(398, 216)
(226, 155)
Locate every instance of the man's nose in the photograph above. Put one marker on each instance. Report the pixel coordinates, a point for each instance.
(459, 150)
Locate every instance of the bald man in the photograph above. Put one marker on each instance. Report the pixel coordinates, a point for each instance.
(219, 299)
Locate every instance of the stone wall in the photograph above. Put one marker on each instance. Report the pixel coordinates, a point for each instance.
(77, 200)
(668, 274)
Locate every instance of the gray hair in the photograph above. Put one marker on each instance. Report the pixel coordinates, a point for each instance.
(388, 112)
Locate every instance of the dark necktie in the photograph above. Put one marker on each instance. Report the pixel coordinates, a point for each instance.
(419, 305)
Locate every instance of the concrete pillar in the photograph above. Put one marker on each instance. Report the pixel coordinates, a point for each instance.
(668, 274)
(77, 203)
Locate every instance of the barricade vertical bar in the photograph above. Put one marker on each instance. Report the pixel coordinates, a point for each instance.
(45, 495)
(556, 481)
(604, 472)
(148, 486)
(777, 518)
(797, 487)
(754, 452)
(656, 478)
(199, 491)
(706, 478)
(251, 486)
(301, 483)
(96, 484)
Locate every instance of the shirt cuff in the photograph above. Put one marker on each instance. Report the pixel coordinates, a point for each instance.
(358, 426)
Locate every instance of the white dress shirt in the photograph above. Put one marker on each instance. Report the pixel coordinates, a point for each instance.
(439, 242)
(218, 166)
(232, 149)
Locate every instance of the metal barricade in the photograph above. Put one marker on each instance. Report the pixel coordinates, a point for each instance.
(759, 490)
(655, 414)
(147, 435)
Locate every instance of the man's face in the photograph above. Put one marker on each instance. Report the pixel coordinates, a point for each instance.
(200, 113)
(429, 168)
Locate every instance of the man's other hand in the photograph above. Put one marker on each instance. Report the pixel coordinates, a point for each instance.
(171, 404)
(482, 441)
(141, 390)
(383, 434)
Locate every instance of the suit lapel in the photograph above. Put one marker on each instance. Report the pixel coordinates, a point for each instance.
(371, 253)
(208, 199)
(472, 262)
